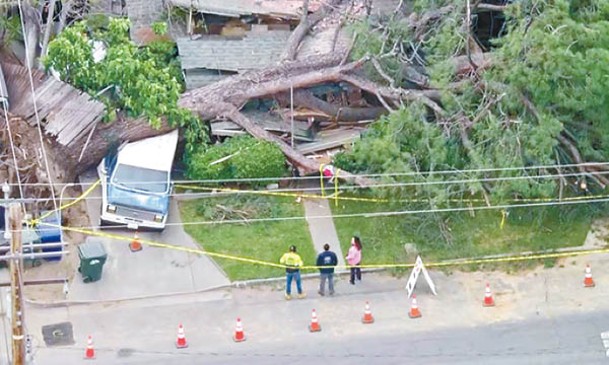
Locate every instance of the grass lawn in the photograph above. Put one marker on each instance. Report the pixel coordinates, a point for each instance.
(525, 229)
(265, 241)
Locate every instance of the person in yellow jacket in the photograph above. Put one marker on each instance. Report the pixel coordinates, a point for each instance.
(293, 262)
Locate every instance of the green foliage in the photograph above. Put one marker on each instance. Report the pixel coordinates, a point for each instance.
(71, 55)
(145, 81)
(265, 241)
(470, 235)
(238, 158)
(425, 5)
(10, 29)
(562, 63)
(372, 43)
(555, 54)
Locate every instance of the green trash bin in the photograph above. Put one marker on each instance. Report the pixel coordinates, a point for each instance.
(92, 259)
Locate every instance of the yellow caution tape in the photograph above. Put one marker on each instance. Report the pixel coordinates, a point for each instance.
(321, 180)
(457, 262)
(67, 205)
(274, 193)
(373, 200)
(161, 245)
(522, 257)
(336, 189)
(503, 216)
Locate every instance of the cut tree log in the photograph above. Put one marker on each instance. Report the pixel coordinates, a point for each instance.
(305, 98)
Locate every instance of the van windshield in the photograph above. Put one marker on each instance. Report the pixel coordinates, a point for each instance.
(142, 179)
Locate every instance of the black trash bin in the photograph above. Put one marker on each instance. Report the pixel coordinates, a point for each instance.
(92, 259)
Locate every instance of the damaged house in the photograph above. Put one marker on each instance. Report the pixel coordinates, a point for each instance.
(232, 37)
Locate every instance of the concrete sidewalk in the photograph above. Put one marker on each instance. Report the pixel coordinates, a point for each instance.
(152, 271)
(322, 229)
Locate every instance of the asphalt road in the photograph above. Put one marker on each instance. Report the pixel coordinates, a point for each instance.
(455, 328)
(563, 340)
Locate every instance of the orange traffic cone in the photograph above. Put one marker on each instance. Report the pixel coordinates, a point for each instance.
(181, 341)
(488, 297)
(314, 326)
(367, 318)
(239, 335)
(414, 308)
(135, 244)
(90, 351)
(588, 282)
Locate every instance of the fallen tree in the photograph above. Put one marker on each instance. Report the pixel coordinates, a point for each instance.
(395, 62)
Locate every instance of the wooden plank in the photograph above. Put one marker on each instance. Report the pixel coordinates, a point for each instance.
(75, 114)
(224, 125)
(301, 131)
(67, 139)
(228, 132)
(73, 121)
(330, 139)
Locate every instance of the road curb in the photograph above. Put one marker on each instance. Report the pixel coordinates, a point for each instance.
(235, 284)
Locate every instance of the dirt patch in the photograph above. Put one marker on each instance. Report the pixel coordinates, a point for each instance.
(598, 234)
(75, 216)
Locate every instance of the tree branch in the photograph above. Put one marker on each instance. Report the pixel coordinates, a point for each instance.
(238, 89)
(309, 166)
(47, 31)
(306, 23)
(574, 152)
(490, 7)
(419, 25)
(305, 98)
(393, 93)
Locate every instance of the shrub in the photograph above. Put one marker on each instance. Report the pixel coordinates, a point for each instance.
(240, 157)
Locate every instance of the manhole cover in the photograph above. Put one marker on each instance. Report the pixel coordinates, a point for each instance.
(125, 352)
(60, 334)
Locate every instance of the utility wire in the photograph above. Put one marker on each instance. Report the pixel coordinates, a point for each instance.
(10, 138)
(35, 105)
(389, 174)
(384, 185)
(382, 214)
(225, 192)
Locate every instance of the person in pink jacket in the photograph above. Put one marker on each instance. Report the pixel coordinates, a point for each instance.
(354, 257)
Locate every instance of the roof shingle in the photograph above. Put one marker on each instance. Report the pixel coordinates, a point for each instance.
(251, 52)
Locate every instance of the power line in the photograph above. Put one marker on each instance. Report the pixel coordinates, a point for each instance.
(297, 191)
(35, 105)
(384, 214)
(10, 138)
(384, 185)
(388, 174)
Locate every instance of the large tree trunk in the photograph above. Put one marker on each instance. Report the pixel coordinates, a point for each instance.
(225, 98)
(47, 30)
(66, 162)
(31, 20)
(86, 152)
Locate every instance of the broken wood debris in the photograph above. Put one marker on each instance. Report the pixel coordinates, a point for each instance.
(315, 134)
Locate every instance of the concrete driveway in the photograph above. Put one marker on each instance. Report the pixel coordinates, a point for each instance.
(152, 271)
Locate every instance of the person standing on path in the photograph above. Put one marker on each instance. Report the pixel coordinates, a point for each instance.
(354, 257)
(326, 261)
(293, 262)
